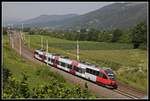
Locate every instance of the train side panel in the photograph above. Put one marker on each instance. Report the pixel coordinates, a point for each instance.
(76, 68)
(63, 64)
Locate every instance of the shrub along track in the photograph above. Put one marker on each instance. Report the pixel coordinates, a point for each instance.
(123, 91)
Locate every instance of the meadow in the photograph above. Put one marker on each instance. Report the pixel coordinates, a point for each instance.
(130, 65)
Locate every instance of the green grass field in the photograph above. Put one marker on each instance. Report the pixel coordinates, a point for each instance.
(71, 45)
(130, 65)
(38, 75)
(19, 65)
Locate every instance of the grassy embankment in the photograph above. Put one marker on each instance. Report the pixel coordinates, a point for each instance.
(38, 75)
(130, 65)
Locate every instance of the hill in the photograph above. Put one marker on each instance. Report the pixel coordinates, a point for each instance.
(117, 15)
(46, 20)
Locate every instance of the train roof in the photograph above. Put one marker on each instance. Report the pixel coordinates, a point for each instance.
(40, 50)
(83, 63)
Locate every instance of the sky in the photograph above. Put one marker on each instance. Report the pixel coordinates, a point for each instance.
(27, 10)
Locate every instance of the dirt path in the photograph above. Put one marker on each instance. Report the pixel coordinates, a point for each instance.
(96, 89)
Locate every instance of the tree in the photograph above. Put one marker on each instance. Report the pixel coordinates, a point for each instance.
(139, 35)
(104, 36)
(4, 30)
(93, 35)
(125, 37)
(116, 35)
(26, 29)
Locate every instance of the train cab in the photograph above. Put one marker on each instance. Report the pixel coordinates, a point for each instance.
(111, 76)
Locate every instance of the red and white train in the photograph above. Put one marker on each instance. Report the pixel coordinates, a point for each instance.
(102, 76)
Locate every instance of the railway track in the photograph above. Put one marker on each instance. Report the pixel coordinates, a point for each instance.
(116, 93)
(126, 94)
(131, 90)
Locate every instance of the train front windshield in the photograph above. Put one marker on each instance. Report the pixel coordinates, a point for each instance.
(110, 74)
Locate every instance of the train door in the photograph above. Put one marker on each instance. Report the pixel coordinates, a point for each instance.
(44, 57)
(102, 78)
(74, 65)
(81, 69)
(56, 61)
(105, 79)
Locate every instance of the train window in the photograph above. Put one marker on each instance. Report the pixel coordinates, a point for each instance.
(44, 57)
(100, 75)
(93, 72)
(40, 56)
(35, 52)
(52, 60)
(63, 64)
(49, 59)
(87, 70)
(90, 71)
(69, 66)
(75, 68)
(83, 70)
(96, 73)
(78, 69)
(104, 76)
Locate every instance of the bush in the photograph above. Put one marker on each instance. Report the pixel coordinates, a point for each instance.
(143, 46)
(139, 34)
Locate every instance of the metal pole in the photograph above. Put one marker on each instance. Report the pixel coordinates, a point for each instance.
(20, 44)
(8, 33)
(9, 37)
(41, 42)
(77, 51)
(20, 34)
(22, 27)
(12, 42)
(29, 42)
(23, 35)
(47, 52)
(12, 26)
